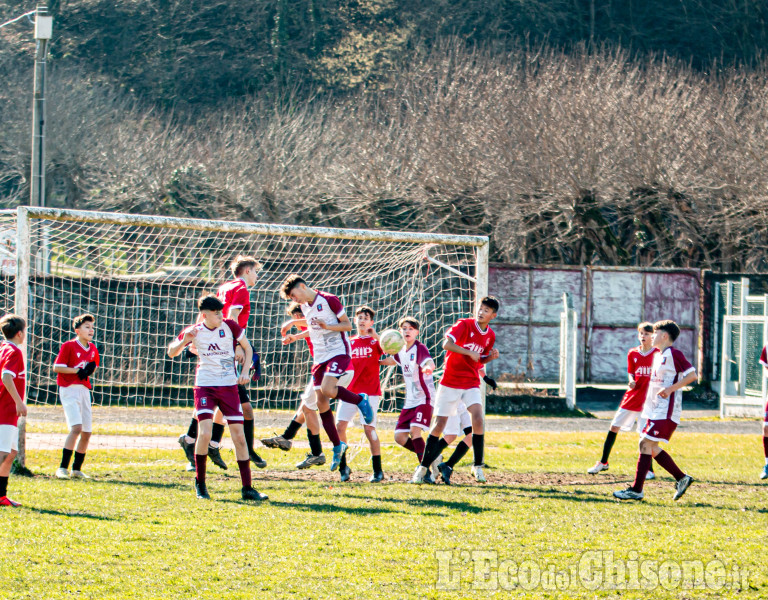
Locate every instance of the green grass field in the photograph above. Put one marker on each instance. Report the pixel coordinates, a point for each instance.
(136, 530)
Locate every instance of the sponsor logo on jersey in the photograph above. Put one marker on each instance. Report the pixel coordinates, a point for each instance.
(213, 347)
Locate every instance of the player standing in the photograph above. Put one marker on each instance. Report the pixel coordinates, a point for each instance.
(328, 324)
(12, 404)
(671, 372)
(457, 424)
(216, 381)
(469, 346)
(764, 362)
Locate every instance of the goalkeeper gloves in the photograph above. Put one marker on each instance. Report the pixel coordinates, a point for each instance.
(256, 367)
(490, 381)
(86, 371)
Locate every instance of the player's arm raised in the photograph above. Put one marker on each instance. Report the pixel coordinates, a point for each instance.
(243, 343)
(344, 324)
(177, 345)
(450, 346)
(301, 323)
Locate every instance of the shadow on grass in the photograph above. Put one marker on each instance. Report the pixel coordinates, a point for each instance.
(145, 484)
(318, 507)
(439, 503)
(61, 513)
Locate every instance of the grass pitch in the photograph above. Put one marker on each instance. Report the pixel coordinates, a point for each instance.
(541, 527)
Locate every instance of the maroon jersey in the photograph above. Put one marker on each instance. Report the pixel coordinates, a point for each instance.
(73, 354)
(234, 294)
(639, 365)
(461, 372)
(366, 353)
(764, 357)
(11, 361)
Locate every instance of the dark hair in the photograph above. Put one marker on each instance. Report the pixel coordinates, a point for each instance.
(10, 325)
(411, 321)
(491, 302)
(290, 282)
(293, 308)
(669, 326)
(80, 319)
(367, 310)
(241, 263)
(209, 302)
(645, 326)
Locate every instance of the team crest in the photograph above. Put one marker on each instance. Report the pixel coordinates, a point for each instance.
(319, 308)
(204, 401)
(413, 356)
(221, 333)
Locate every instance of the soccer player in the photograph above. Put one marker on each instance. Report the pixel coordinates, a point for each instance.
(12, 404)
(417, 366)
(639, 363)
(663, 407)
(764, 362)
(74, 365)
(237, 307)
(469, 346)
(366, 353)
(216, 381)
(328, 324)
(457, 424)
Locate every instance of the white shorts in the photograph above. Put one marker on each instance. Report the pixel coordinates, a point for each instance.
(76, 400)
(346, 411)
(9, 438)
(447, 402)
(459, 422)
(309, 398)
(625, 419)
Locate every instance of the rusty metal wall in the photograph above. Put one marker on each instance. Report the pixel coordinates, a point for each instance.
(610, 302)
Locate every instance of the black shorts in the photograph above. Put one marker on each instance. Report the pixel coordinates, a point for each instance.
(243, 392)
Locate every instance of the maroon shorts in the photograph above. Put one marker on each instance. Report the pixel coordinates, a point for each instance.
(659, 431)
(334, 367)
(765, 418)
(418, 416)
(226, 397)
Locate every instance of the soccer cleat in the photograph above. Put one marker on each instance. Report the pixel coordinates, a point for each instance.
(599, 466)
(338, 450)
(682, 485)
(650, 475)
(764, 474)
(428, 478)
(377, 477)
(6, 501)
(477, 471)
(366, 409)
(418, 475)
(189, 449)
(62, 473)
(445, 472)
(215, 455)
(190, 467)
(250, 494)
(79, 475)
(311, 460)
(433, 467)
(345, 473)
(277, 442)
(257, 460)
(201, 491)
(628, 494)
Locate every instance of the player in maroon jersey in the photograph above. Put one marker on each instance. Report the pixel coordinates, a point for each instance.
(12, 404)
(74, 365)
(639, 363)
(764, 473)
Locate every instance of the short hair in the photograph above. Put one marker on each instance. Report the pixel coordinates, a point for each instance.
(491, 302)
(669, 326)
(210, 302)
(645, 326)
(412, 321)
(11, 324)
(293, 308)
(290, 282)
(367, 310)
(241, 263)
(78, 321)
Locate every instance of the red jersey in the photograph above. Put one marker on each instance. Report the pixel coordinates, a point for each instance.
(764, 357)
(309, 342)
(11, 361)
(461, 372)
(366, 353)
(640, 366)
(74, 354)
(234, 294)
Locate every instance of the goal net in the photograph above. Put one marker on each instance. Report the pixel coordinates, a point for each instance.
(141, 277)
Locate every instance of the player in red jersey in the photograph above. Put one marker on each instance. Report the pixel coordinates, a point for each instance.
(366, 353)
(215, 339)
(671, 371)
(12, 404)
(764, 362)
(237, 307)
(469, 346)
(639, 363)
(74, 365)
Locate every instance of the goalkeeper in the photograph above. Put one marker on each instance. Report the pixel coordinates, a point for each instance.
(74, 365)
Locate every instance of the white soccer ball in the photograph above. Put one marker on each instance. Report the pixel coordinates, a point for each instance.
(391, 341)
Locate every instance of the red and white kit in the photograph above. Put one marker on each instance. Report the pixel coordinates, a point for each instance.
(764, 362)
(663, 414)
(11, 361)
(74, 392)
(366, 353)
(215, 376)
(331, 350)
(419, 388)
(461, 377)
(639, 365)
(235, 294)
